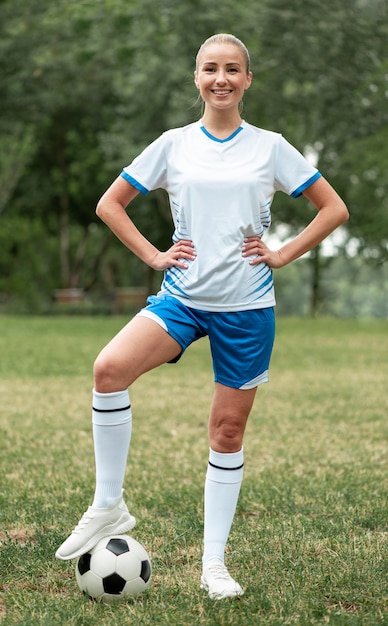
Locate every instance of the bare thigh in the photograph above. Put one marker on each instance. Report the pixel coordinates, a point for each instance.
(139, 347)
(228, 417)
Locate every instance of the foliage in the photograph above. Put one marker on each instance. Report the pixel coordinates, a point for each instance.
(366, 165)
(323, 83)
(23, 269)
(85, 86)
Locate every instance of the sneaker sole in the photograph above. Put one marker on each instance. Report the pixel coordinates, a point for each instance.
(111, 529)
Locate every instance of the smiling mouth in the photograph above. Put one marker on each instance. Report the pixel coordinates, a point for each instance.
(221, 92)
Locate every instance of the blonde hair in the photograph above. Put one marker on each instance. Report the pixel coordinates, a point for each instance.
(225, 38)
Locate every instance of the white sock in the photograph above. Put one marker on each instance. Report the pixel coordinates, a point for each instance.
(222, 487)
(112, 429)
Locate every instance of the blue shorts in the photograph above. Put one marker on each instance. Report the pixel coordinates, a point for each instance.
(241, 342)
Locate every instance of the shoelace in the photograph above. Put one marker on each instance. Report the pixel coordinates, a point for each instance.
(219, 571)
(85, 519)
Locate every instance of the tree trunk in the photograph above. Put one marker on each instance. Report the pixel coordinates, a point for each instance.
(64, 240)
(316, 292)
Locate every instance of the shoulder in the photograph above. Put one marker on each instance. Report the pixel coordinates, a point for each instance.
(167, 138)
(262, 133)
(276, 142)
(182, 131)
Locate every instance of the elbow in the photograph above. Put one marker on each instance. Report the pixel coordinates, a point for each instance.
(100, 209)
(343, 213)
(339, 212)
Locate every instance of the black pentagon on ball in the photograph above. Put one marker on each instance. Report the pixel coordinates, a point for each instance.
(113, 584)
(84, 563)
(117, 546)
(145, 573)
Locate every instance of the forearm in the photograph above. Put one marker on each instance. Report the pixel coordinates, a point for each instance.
(111, 209)
(125, 230)
(332, 212)
(324, 223)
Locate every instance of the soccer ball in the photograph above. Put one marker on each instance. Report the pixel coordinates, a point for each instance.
(117, 568)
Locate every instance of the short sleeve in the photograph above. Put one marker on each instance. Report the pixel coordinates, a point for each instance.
(293, 172)
(148, 170)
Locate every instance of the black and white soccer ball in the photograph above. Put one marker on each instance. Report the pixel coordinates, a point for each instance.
(117, 568)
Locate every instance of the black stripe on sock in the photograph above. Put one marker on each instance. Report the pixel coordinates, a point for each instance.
(227, 468)
(123, 408)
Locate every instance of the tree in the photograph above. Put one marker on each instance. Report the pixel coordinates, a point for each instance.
(58, 81)
(79, 75)
(317, 60)
(85, 86)
(363, 166)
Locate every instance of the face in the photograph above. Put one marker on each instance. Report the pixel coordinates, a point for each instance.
(221, 75)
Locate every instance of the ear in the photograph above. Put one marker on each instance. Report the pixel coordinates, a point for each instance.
(249, 80)
(196, 79)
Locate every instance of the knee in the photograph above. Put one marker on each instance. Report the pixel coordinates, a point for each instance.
(107, 375)
(101, 374)
(226, 437)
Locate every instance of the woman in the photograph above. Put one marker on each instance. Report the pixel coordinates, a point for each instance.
(221, 174)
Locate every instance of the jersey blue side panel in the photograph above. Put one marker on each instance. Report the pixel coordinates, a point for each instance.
(265, 282)
(298, 192)
(134, 183)
(170, 278)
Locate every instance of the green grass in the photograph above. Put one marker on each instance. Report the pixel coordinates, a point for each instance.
(309, 542)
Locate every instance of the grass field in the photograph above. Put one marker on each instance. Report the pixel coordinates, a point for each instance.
(309, 542)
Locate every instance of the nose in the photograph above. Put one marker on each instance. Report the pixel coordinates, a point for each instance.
(221, 77)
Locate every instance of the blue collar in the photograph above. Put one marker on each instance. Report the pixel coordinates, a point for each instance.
(236, 132)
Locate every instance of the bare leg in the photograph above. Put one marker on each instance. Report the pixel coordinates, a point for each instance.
(139, 347)
(228, 418)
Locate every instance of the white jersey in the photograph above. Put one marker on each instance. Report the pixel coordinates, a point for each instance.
(220, 192)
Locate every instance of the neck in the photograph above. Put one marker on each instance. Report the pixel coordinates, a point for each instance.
(221, 123)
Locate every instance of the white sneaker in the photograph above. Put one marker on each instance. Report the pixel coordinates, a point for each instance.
(218, 582)
(93, 526)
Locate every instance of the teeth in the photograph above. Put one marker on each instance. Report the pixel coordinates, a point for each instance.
(221, 93)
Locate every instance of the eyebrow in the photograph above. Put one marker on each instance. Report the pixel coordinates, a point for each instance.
(215, 63)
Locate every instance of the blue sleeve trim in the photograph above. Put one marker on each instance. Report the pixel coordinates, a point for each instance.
(135, 183)
(298, 192)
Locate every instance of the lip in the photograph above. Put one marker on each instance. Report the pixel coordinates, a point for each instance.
(221, 92)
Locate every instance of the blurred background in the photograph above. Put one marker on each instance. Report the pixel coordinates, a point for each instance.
(85, 85)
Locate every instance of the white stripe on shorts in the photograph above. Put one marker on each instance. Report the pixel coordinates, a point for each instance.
(258, 380)
(153, 316)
